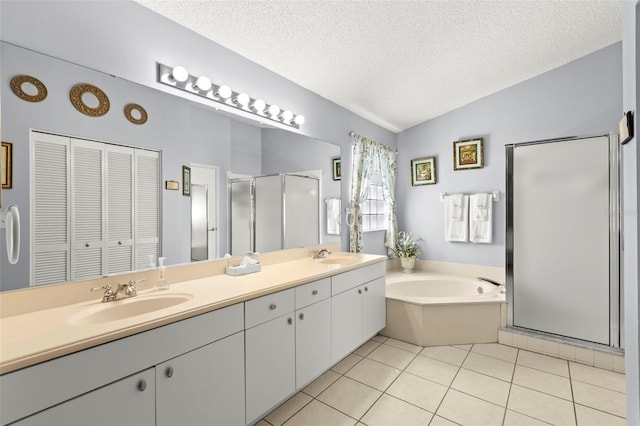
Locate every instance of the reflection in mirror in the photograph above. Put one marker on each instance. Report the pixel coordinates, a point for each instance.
(183, 132)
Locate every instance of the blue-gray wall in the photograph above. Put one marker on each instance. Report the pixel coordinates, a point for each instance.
(580, 98)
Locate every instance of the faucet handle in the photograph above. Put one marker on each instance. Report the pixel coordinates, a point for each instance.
(106, 287)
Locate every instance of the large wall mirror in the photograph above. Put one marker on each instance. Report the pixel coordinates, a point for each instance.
(214, 146)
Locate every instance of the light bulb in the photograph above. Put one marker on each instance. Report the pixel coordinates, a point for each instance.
(274, 110)
(203, 83)
(286, 116)
(259, 105)
(180, 74)
(242, 99)
(224, 92)
(299, 120)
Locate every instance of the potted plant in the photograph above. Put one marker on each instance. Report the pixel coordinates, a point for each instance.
(407, 250)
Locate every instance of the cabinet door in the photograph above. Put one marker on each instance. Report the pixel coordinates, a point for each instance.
(127, 402)
(119, 190)
(374, 310)
(313, 341)
(204, 386)
(346, 324)
(147, 207)
(270, 365)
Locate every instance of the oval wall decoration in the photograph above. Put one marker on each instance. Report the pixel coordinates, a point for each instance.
(129, 108)
(17, 83)
(79, 90)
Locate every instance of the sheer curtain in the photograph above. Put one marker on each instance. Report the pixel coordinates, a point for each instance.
(366, 153)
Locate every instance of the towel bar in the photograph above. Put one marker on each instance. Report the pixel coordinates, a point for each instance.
(496, 195)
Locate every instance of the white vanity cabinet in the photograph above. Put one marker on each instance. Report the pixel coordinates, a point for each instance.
(129, 401)
(313, 330)
(358, 308)
(204, 386)
(270, 355)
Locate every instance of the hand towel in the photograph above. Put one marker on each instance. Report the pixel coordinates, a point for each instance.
(456, 217)
(481, 218)
(333, 216)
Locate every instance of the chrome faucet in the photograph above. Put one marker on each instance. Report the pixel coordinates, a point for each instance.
(128, 288)
(321, 254)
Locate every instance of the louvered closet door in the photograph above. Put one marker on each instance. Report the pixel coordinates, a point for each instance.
(147, 201)
(49, 209)
(119, 190)
(87, 209)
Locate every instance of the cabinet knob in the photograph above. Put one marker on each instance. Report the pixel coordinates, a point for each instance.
(359, 291)
(301, 316)
(142, 385)
(119, 243)
(86, 244)
(169, 372)
(289, 321)
(273, 306)
(366, 289)
(314, 292)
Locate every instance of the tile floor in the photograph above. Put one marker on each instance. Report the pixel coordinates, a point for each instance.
(387, 382)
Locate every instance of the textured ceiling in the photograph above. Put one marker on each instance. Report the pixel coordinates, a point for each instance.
(400, 63)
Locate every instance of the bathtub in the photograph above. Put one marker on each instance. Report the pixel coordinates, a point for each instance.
(430, 309)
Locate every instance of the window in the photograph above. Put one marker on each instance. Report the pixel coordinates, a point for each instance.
(374, 211)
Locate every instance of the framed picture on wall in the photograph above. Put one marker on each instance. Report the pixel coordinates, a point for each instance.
(423, 171)
(468, 154)
(337, 169)
(6, 161)
(186, 181)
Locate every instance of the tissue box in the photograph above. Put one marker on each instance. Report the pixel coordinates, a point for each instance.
(243, 270)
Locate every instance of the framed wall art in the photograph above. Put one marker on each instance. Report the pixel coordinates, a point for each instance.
(468, 154)
(186, 181)
(423, 171)
(337, 169)
(6, 158)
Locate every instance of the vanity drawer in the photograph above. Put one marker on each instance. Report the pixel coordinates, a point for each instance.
(267, 307)
(316, 291)
(347, 280)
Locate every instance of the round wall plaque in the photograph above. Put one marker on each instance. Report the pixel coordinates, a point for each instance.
(79, 90)
(140, 113)
(17, 87)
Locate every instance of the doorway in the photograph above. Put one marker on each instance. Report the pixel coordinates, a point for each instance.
(206, 176)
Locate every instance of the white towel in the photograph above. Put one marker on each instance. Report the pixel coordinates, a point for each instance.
(333, 216)
(481, 218)
(456, 217)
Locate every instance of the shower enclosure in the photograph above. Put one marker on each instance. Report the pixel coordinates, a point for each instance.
(563, 238)
(273, 212)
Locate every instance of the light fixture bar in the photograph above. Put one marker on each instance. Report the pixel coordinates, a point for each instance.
(202, 86)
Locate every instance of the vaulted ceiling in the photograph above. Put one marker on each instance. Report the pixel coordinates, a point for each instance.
(399, 63)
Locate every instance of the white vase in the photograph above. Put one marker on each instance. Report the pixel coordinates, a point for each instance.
(407, 264)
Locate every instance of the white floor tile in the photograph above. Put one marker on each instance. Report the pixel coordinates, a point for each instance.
(513, 418)
(484, 387)
(284, 412)
(598, 377)
(392, 411)
(350, 397)
(599, 398)
(379, 338)
(403, 345)
(373, 373)
(468, 410)
(463, 347)
(392, 356)
(317, 413)
(496, 350)
(541, 406)
(544, 363)
(490, 366)
(432, 369)
(346, 364)
(418, 391)
(448, 354)
(440, 421)
(590, 417)
(367, 348)
(316, 387)
(541, 381)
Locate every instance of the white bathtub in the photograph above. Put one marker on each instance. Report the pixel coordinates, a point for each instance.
(435, 309)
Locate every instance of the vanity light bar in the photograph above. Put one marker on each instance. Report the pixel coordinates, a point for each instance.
(202, 86)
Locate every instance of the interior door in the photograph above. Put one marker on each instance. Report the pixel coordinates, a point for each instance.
(199, 223)
(208, 176)
(560, 267)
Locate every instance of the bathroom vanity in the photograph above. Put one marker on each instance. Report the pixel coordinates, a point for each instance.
(228, 354)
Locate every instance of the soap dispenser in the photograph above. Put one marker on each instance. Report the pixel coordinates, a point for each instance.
(161, 279)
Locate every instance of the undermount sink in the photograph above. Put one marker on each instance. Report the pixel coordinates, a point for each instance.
(126, 308)
(339, 260)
